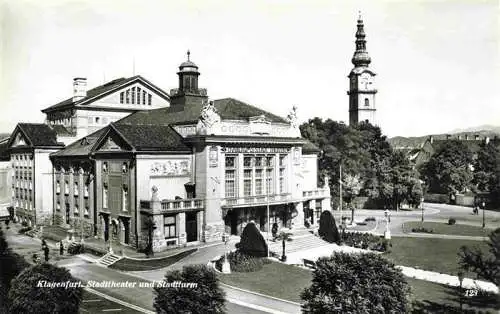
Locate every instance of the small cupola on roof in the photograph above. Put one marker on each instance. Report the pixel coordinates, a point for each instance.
(188, 76)
(361, 57)
(79, 88)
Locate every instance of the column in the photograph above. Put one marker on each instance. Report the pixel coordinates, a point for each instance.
(180, 222)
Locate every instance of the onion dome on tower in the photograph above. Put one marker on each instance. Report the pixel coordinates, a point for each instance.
(361, 57)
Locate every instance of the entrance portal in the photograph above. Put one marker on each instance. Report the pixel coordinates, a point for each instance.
(191, 227)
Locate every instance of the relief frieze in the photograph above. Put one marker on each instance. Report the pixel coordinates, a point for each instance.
(174, 167)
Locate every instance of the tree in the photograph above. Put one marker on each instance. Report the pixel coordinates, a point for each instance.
(11, 264)
(356, 283)
(252, 242)
(150, 227)
(449, 169)
(26, 296)
(328, 228)
(486, 266)
(206, 297)
(487, 170)
(350, 188)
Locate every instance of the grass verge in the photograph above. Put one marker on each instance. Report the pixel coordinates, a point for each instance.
(444, 228)
(434, 254)
(127, 264)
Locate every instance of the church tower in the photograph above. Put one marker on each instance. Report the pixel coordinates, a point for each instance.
(361, 83)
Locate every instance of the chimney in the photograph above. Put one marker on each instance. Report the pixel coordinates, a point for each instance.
(476, 137)
(448, 136)
(79, 88)
(431, 139)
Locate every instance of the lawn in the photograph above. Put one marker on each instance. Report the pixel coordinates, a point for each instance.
(434, 254)
(287, 282)
(274, 279)
(128, 264)
(444, 228)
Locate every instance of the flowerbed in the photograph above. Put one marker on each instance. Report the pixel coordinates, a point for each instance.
(240, 262)
(365, 241)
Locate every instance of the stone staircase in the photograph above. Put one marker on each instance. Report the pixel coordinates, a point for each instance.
(298, 243)
(108, 259)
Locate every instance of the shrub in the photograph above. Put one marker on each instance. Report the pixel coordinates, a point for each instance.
(365, 241)
(356, 283)
(370, 219)
(252, 242)
(452, 221)
(206, 297)
(242, 263)
(327, 227)
(23, 230)
(422, 230)
(26, 296)
(75, 248)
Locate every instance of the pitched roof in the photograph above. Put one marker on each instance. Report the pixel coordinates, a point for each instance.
(38, 134)
(151, 137)
(227, 108)
(4, 151)
(310, 148)
(103, 90)
(61, 130)
(81, 147)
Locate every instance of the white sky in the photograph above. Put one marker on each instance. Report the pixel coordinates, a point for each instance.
(438, 62)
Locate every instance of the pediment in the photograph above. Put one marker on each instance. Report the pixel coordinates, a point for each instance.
(19, 140)
(112, 144)
(260, 125)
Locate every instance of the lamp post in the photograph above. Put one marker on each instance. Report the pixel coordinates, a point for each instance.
(484, 222)
(460, 279)
(422, 205)
(340, 191)
(268, 221)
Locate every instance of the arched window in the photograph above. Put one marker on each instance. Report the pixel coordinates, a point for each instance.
(367, 102)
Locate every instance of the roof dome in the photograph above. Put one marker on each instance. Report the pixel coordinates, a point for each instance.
(188, 65)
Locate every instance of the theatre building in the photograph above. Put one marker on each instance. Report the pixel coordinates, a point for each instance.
(196, 169)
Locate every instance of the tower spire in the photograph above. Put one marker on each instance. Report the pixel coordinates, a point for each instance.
(361, 57)
(188, 54)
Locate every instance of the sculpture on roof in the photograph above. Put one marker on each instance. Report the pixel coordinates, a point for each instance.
(294, 121)
(208, 118)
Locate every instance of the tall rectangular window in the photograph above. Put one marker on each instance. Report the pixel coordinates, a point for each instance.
(150, 97)
(282, 174)
(86, 191)
(75, 188)
(143, 97)
(230, 176)
(247, 182)
(125, 199)
(104, 197)
(127, 96)
(133, 95)
(269, 181)
(258, 181)
(138, 95)
(121, 98)
(169, 226)
(66, 187)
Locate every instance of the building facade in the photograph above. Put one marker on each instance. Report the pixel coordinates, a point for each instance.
(195, 170)
(362, 88)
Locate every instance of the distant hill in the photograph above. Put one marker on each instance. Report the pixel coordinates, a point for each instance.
(400, 142)
(4, 136)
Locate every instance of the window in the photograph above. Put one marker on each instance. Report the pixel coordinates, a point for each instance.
(169, 226)
(127, 96)
(97, 120)
(318, 209)
(133, 95)
(143, 97)
(282, 174)
(104, 167)
(138, 95)
(367, 102)
(230, 176)
(86, 191)
(125, 198)
(247, 182)
(58, 207)
(66, 187)
(149, 99)
(124, 167)
(121, 98)
(30, 185)
(258, 182)
(75, 188)
(105, 196)
(86, 212)
(269, 181)
(76, 211)
(58, 187)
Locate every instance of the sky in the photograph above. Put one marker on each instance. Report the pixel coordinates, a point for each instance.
(437, 62)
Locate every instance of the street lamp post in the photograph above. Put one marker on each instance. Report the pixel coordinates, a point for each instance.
(268, 222)
(422, 205)
(460, 279)
(484, 222)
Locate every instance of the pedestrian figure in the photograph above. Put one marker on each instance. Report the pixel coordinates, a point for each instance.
(46, 252)
(44, 243)
(61, 248)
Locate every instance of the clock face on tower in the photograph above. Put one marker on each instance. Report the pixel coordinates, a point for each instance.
(365, 81)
